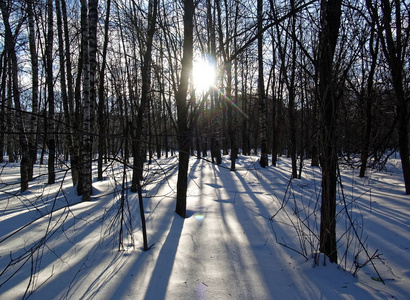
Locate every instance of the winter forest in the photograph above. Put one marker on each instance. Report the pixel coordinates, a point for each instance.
(204, 149)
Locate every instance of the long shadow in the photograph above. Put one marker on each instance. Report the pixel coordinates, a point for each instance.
(135, 267)
(59, 247)
(160, 276)
(114, 280)
(33, 205)
(88, 260)
(240, 258)
(278, 271)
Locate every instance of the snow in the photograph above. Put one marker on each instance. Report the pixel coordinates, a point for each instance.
(249, 234)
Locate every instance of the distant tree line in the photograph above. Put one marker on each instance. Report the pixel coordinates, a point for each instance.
(97, 80)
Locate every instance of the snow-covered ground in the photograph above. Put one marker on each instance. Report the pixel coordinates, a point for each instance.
(250, 234)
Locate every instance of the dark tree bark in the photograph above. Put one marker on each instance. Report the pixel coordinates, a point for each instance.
(9, 46)
(139, 156)
(291, 89)
(330, 23)
(394, 44)
(34, 88)
(63, 79)
(231, 116)
(50, 94)
(245, 108)
(215, 121)
(182, 109)
(232, 128)
(10, 115)
(261, 90)
(72, 115)
(369, 99)
(101, 99)
(3, 77)
(289, 66)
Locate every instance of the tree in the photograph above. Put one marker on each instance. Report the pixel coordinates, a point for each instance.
(9, 45)
(261, 88)
(85, 187)
(328, 102)
(368, 96)
(184, 133)
(3, 77)
(50, 94)
(144, 103)
(139, 156)
(35, 86)
(232, 128)
(394, 40)
(215, 121)
(70, 106)
(101, 98)
(289, 79)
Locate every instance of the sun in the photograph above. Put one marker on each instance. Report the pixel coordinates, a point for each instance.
(204, 75)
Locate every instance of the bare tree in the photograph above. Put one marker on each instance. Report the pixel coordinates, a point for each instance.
(101, 97)
(139, 156)
(369, 95)
(3, 77)
(144, 103)
(50, 93)
(184, 134)
(215, 121)
(35, 86)
(261, 89)
(328, 101)
(85, 187)
(9, 46)
(288, 56)
(394, 40)
(70, 106)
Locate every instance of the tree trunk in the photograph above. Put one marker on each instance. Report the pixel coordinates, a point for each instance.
(182, 109)
(393, 50)
(245, 108)
(34, 88)
(50, 93)
(330, 22)
(3, 77)
(85, 188)
(369, 99)
(289, 80)
(291, 86)
(139, 156)
(231, 126)
(64, 97)
(9, 45)
(215, 121)
(261, 89)
(101, 99)
(10, 114)
(92, 46)
(73, 112)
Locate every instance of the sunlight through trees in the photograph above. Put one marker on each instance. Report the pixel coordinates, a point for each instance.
(323, 83)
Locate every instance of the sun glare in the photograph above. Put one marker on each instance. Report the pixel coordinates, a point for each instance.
(204, 75)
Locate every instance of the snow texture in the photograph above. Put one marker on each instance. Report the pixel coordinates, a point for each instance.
(249, 234)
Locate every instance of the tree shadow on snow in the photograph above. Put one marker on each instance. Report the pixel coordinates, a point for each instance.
(162, 272)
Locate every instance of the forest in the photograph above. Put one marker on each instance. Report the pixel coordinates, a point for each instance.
(127, 101)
